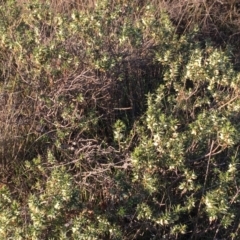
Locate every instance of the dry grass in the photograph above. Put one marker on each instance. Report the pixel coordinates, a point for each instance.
(218, 20)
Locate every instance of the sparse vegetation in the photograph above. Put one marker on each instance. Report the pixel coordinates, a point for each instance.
(119, 120)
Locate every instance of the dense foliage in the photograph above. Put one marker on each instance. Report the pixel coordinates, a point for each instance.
(116, 124)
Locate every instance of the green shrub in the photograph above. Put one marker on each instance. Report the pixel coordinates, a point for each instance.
(113, 126)
(188, 157)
